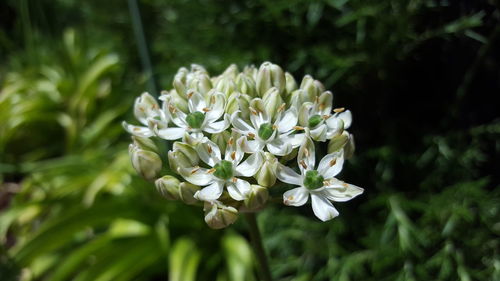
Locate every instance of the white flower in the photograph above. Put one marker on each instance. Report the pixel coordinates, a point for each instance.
(319, 183)
(317, 117)
(147, 112)
(275, 136)
(202, 117)
(224, 172)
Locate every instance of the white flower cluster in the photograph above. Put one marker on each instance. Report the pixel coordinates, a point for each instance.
(234, 135)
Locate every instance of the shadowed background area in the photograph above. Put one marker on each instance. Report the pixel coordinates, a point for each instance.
(420, 77)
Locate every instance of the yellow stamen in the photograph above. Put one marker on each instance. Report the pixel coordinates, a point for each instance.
(211, 171)
(333, 162)
(303, 164)
(233, 155)
(209, 149)
(338, 110)
(298, 128)
(206, 109)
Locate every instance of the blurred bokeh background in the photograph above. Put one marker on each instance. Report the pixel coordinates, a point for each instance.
(422, 78)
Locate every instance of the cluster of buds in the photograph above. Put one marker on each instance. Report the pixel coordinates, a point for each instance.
(237, 135)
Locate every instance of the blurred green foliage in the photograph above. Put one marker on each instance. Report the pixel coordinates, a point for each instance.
(420, 77)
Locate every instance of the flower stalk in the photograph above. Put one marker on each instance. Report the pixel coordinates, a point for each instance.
(258, 247)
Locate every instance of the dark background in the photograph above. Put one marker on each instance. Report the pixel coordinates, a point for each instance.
(420, 77)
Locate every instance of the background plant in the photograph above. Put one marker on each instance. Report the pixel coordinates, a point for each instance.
(419, 76)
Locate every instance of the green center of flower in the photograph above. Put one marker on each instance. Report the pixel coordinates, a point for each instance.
(313, 180)
(266, 131)
(195, 119)
(314, 121)
(224, 170)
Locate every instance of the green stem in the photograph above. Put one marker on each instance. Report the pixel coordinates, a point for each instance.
(258, 247)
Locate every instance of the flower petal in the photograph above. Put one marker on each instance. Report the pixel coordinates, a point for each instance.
(325, 102)
(238, 190)
(242, 126)
(322, 208)
(340, 191)
(170, 133)
(287, 175)
(234, 151)
(296, 197)
(217, 127)
(252, 146)
(217, 104)
(250, 166)
(307, 155)
(196, 102)
(319, 133)
(288, 120)
(279, 147)
(331, 165)
(139, 131)
(209, 152)
(211, 192)
(196, 175)
(346, 116)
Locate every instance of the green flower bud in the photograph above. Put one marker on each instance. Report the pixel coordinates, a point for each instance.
(219, 216)
(224, 170)
(270, 75)
(325, 102)
(168, 187)
(145, 144)
(256, 198)
(265, 131)
(272, 101)
(195, 119)
(221, 139)
(291, 84)
(313, 180)
(187, 191)
(266, 176)
(246, 85)
(183, 155)
(146, 163)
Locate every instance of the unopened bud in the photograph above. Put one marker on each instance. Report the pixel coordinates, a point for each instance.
(183, 155)
(168, 187)
(256, 198)
(187, 191)
(231, 71)
(201, 83)
(221, 139)
(145, 144)
(349, 148)
(272, 101)
(338, 142)
(179, 82)
(291, 84)
(239, 102)
(301, 96)
(146, 163)
(225, 85)
(145, 106)
(266, 176)
(270, 75)
(246, 85)
(219, 216)
(312, 87)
